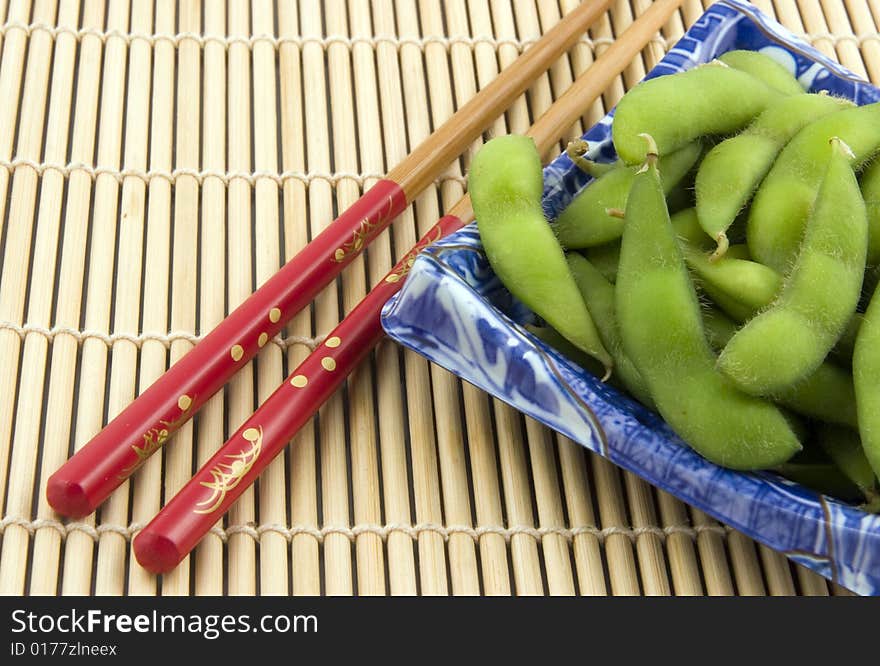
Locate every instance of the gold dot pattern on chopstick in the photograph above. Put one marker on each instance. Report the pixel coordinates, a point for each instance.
(274, 315)
(251, 434)
(328, 363)
(299, 381)
(263, 339)
(184, 402)
(333, 342)
(236, 352)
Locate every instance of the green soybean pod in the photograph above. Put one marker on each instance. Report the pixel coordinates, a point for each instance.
(739, 251)
(505, 184)
(742, 298)
(679, 108)
(782, 204)
(731, 172)
(822, 476)
(753, 293)
(687, 228)
(843, 446)
(788, 340)
(718, 326)
(763, 68)
(870, 183)
(866, 374)
(827, 394)
(662, 332)
(738, 286)
(814, 469)
(605, 259)
(555, 339)
(681, 197)
(598, 294)
(586, 222)
(846, 344)
(552, 338)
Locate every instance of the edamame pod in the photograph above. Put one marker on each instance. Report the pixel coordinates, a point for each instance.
(782, 204)
(827, 394)
(742, 296)
(554, 339)
(866, 374)
(605, 259)
(681, 197)
(788, 341)
(687, 228)
(598, 294)
(846, 344)
(585, 222)
(870, 183)
(844, 447)
(731, 172)
(679, 108)
(719, 328)
(739, 251)
(662, 332)
(505, 184)
(822, 476)
(729, 305)
(738, 286)
(763, 68)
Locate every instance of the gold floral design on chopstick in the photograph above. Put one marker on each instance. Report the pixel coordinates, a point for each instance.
(154, 438)
(406, 264)
(226, 476)
(357, 242)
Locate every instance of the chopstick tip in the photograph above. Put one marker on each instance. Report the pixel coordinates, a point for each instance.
(156, 553)
(67, 497)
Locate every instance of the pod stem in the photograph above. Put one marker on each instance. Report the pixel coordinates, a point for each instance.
(723, 245)
(839, 144)
(652, 155)
(576, 150)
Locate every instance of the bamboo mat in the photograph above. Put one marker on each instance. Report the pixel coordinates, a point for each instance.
(160, 162)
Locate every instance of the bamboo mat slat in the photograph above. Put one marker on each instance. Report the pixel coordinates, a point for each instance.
(160, 160)
(212, 305)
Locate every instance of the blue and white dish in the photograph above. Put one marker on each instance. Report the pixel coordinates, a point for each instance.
(454, 311)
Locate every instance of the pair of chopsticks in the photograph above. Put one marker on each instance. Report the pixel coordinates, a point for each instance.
(80, 485)
(104, 463)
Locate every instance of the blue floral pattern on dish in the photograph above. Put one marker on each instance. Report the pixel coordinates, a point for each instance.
(454, 310)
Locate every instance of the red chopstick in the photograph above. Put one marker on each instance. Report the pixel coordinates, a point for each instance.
(105, 462)
(184, 520)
